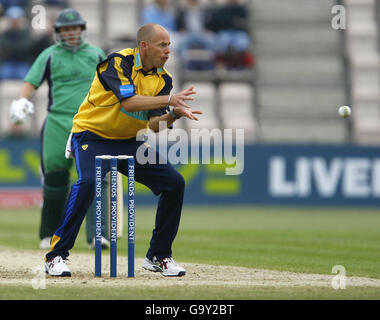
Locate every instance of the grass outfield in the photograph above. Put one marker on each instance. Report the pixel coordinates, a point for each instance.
(285, 239)
(184, 293)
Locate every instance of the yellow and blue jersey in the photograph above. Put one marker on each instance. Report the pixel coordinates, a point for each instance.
(120, 77)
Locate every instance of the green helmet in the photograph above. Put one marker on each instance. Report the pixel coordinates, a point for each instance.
(69, 17)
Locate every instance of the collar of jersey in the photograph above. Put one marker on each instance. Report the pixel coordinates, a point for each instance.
(71, 50)
(138, 65)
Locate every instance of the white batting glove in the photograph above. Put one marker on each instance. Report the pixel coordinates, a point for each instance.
(20, 109)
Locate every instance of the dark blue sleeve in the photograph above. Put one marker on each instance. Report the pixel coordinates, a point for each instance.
(113, 77)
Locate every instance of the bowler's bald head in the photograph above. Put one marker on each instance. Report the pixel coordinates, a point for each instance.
(148, 31)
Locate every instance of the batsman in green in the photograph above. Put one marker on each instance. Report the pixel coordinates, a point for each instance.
(68, 67)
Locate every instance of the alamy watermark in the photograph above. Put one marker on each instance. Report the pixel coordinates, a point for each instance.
(338, 281)
(39, 280)
(338, 22)
(205, 147)
(38, 17)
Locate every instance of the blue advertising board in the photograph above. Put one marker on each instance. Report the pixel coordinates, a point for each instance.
(272, 174)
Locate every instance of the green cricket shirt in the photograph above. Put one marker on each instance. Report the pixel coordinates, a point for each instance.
(69, 75)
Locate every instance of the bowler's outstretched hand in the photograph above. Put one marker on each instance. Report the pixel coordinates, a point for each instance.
(181, 108)
(187, 112)
(179, 99)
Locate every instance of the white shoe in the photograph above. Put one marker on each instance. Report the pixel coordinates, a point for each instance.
(151, 266)
(167, 266)
(57, 267)
(45, 243)
(105, 243)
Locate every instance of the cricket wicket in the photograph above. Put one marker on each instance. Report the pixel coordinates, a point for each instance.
(113, 214)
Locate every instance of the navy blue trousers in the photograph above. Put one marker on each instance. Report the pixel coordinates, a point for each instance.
(163, 179)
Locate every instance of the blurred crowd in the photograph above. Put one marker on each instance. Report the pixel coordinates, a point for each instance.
(204, 37)
(19, 44)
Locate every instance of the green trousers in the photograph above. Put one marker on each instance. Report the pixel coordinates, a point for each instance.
(56, 180)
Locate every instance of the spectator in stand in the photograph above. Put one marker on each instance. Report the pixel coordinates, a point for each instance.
(231, 23)
(160, 12)
(191, 21)
(15, 46)
(5, 4)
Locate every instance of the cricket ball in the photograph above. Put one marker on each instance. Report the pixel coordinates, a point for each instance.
(344, 111)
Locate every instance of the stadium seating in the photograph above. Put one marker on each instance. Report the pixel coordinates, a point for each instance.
(300, 74)
(364, 54)
(303, 73)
